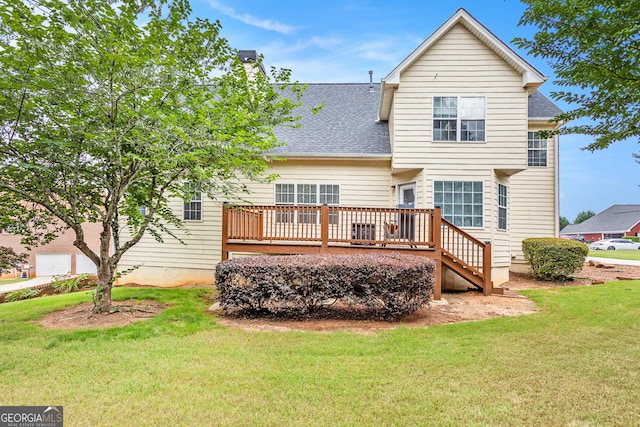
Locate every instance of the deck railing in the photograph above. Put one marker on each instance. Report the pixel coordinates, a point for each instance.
(331, 224)
(339, 229)
(472, 256)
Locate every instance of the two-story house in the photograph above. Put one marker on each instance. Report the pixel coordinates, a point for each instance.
(453, 126)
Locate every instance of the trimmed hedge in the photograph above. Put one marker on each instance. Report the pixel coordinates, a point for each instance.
(394, 283)
(554, 259)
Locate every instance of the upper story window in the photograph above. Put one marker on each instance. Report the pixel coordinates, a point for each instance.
(192, 210)
(537, 150)
(459, 118)
(461, 201)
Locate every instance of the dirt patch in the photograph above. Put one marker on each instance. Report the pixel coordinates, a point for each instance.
(452, 308)
(80, 316)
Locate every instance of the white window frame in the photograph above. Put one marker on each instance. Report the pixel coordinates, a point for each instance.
(457, 199)
(299, 191)
(535, 145)
(503, 207)
(193, 203)
(407, 185)
(459, 118)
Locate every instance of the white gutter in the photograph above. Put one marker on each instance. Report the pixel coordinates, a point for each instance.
(326, 156)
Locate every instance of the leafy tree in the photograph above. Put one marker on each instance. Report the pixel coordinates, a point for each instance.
(592, 46)
(583, 216)
(107, 107)
(9, 259)
(564, 222)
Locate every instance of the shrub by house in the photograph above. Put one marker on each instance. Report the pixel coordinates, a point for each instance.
(554, 259)
(396, 284)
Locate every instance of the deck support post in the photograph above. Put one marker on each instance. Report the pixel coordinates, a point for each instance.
(486, 270)
(324, 226)
(436, 238)
(225, 231)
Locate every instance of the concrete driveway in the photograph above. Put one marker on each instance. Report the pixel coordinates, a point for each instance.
(36, 281)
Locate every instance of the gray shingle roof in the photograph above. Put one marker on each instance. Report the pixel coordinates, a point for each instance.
(615, 219)
(540, 107)
(346, 125)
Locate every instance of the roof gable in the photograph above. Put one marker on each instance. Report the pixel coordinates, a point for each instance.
(531, 77)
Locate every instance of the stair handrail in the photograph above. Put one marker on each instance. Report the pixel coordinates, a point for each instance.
(484, 270)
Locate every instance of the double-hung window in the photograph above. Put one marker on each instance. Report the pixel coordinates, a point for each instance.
(502, 207)
(306, 195)
(459, 118)
(285, 195)
(537, 150)
(461, 202)
(192, 209)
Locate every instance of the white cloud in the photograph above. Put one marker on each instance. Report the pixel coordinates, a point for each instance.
(326, 42)
(265, 24)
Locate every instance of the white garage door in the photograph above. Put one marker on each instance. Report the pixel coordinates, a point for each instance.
(53, 264)
(84, 265)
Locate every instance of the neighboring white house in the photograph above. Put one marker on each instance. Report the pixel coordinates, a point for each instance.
(452, 126)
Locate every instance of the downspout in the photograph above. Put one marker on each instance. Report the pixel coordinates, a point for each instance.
(556, 147)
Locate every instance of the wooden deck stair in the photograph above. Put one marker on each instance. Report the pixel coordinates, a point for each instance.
(342, 230)
(467, 256)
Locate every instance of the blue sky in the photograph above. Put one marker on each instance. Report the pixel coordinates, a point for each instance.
(339, 41)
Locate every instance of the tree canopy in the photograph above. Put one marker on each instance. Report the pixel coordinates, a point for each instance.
(592, 46)
(9, 259)
(108, 107)
(583, 216)
(564, 221)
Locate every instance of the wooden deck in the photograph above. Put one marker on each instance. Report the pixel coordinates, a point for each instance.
(344, 230)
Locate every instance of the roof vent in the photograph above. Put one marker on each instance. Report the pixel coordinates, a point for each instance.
(370, 81)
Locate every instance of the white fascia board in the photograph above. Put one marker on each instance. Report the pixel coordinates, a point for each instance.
(386, 93)
(326, 156)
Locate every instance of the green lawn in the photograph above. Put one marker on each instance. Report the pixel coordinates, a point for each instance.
(573, 363)
(627, 254)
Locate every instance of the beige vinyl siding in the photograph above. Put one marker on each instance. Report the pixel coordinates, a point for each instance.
(202, 240)
(460, 65)
(391, 123)
(533, 202)
(361, 184)
(500, 239)
(410, 177)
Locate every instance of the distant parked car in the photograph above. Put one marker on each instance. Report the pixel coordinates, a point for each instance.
(614, 244)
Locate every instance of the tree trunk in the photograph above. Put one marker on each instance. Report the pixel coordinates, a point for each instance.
(103, 289)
